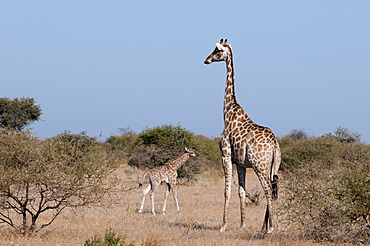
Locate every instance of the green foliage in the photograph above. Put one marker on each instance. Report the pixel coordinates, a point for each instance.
(127, 142)
(209, 156)
(353, 191)
(110, 239)
(326, 188)
(155, 146)
(210, 149)
(162, 143)
(324, 151)
(18, 113)
(66, 171)
(167, 137)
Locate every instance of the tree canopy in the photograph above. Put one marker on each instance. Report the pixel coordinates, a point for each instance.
(18, 113)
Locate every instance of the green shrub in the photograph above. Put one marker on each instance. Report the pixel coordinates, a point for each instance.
(323, 151)
(155, 146)
(126, 143)
(167, 136)
(209, 148)
(353, 191)
(161, 144)
(326, 186)
(110, 239)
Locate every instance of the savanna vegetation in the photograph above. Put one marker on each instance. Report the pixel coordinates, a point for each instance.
(41, 178)
(325, 180)
(326, 186)
(155, 146)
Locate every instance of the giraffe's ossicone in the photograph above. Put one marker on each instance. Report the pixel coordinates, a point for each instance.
(245, 144)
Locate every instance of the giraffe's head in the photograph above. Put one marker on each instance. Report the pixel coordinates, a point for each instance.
(220, 53)
(192, 152)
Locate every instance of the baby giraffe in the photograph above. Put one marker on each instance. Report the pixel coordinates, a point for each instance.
(166, 173)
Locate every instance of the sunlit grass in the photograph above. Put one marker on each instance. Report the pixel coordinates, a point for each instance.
(201, 207)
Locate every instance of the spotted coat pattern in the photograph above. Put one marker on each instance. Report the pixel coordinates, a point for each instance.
(245, 144)
(168, 174)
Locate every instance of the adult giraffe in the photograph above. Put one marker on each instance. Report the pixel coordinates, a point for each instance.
(245, 144)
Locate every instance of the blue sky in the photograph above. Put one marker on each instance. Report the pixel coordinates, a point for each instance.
(98, 66)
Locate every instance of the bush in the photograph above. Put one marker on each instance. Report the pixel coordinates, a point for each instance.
(161, 144)
(353, 191)
(326, 189)
(42, 178)
(126, 143)
(324, 151)
(209, 148)
(155, 146)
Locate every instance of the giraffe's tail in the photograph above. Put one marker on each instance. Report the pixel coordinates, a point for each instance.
(275, 187)
(274, 169)
(141, 181)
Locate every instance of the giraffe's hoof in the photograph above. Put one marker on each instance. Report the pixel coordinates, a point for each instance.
(270, 230)
(222, 229)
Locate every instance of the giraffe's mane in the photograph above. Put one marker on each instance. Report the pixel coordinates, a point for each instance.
(179, 156)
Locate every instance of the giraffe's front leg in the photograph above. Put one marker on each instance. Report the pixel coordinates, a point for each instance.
(152, 200)
(227, 165)
(155, 185)
(174, 192)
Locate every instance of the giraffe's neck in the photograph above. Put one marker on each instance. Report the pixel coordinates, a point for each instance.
(229, 98)
(230, 103)
(179, 161)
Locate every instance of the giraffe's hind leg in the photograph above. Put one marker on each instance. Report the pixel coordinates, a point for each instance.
(268, 223)
(265, 225)
(145, 193)
(241, 178)
(168, 187)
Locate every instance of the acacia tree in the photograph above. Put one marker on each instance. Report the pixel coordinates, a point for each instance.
(66, 171)
(19, 112)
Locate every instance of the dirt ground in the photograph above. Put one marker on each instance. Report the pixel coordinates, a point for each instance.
(201, 207)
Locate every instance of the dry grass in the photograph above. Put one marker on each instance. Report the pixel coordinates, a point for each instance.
(201, 206)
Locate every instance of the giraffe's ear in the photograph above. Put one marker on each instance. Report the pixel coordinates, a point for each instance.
(220, 47)
(186, 149)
